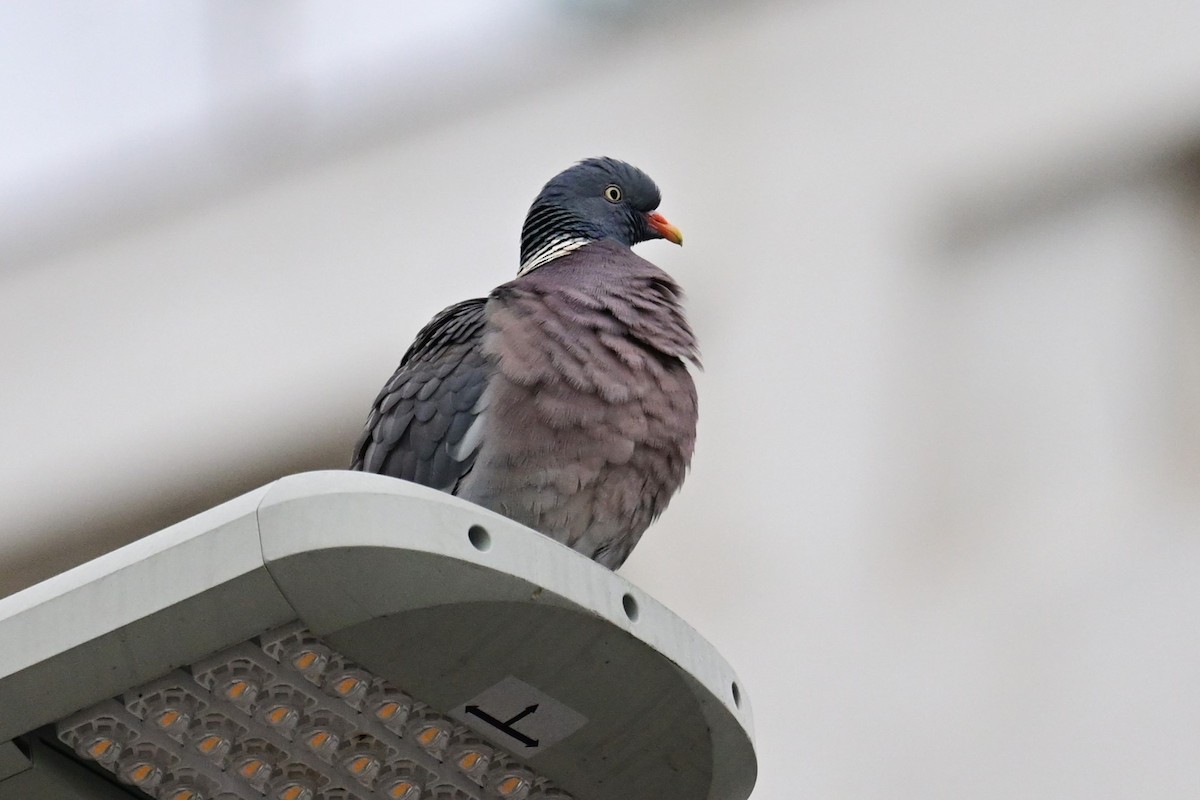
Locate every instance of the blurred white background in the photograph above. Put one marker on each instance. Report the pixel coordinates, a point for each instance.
(943, 259)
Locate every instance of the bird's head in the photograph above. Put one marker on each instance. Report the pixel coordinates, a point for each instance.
(600, 198)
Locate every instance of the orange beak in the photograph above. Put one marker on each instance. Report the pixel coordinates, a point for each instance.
(659, 224)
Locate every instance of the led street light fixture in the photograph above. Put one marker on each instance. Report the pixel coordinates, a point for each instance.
(341, 636)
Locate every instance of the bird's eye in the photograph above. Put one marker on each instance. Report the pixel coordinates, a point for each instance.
(612, 193)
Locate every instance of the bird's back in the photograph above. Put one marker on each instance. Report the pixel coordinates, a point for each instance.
(420, 425)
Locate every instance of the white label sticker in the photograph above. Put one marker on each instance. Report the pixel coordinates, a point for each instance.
(519, 717)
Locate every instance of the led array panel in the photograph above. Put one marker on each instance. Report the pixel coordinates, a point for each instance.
(288, 718)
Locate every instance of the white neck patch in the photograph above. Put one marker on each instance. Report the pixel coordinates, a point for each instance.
(555, 248)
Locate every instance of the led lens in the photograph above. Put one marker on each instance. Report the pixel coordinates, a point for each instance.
(346, 686)
(213, 745)
(387, 710)
(213, 737)
(389, 706)
(253, 769)
(254, 762)
(360, 764)
(470, 756)
(236, 679)
(141, 774)
(508, 787)
(189, 785)
(241, 692)
(350, 686)
(322, 741)
(173, 720)
(310, 661)
(144, 766)
(99, 735)
(305, 659)
(296, 782)
(167, 705)
(281, 716)
(102, 749)
(364, 768)
(402, 780)
(430, 736)
(430, 731)
(513, 784)
(169, 718)
(294, 791)
(403, 789)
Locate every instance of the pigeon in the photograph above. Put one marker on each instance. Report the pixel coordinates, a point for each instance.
(562, 400)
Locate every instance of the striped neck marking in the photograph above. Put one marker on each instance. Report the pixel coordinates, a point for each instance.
(555, 248)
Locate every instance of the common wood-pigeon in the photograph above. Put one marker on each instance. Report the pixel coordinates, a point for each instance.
(562, 400)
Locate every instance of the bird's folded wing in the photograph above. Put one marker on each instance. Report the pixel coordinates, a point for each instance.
(425, 425)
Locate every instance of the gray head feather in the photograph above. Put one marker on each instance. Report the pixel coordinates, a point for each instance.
(599, 198)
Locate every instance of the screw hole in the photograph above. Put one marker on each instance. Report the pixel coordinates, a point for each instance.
(631, 607)
(480, 539)
(737, 696)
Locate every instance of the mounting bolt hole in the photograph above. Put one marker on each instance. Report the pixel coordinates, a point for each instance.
(631, 607)
(480, 539)
(737, 696)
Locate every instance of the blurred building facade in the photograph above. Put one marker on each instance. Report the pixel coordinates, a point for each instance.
(943, 260)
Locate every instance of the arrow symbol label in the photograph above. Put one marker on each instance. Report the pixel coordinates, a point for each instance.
(506, 726)
(519, 716)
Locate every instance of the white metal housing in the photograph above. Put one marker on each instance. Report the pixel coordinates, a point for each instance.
(438, 596)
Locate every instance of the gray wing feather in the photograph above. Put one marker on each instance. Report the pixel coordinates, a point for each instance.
(418, 423)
